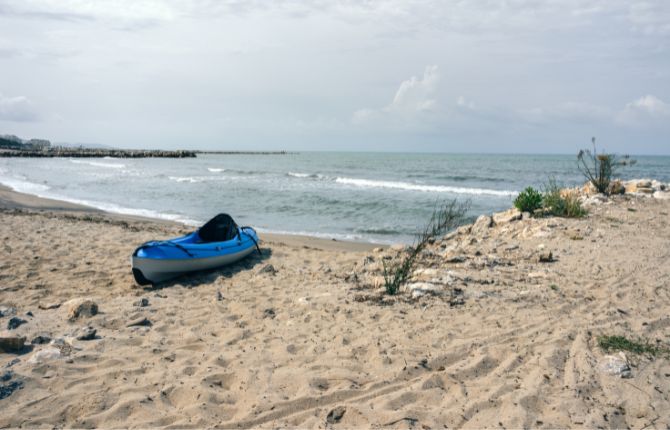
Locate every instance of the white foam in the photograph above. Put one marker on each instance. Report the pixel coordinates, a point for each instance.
(188, 179)
(41, 190)
(307, 175)
(215, 170)
(23, 186)
(146, 213)
(98, 164)
(369, 183)
(299, 175)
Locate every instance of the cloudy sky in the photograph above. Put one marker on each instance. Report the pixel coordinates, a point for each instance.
(539, 76)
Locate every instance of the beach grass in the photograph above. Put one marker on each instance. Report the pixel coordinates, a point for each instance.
(621, 343)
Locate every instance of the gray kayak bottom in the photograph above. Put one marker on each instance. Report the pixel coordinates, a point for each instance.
(153, 270)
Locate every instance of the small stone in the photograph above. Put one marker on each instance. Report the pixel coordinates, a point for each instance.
(11, 343)
(464, 229)
(86, 333)
(5, 312)
(29, 314)
(81, 308)
(456, 259)
(15, 322)
(219, 296)
(320, 384)
(41, 339)
(139, 322)
(6, 375)
(418, 289)
(269, 313)
(269, 269)
(546, 257)
(142, 303)
(335, 415)
(616, 365)
(44, 355)
(616, 187)
(49, 306)
(507, 216)
(8, 390)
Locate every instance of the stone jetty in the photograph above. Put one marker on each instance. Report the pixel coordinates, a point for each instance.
(89, 153)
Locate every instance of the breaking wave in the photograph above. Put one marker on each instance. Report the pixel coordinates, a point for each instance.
(369, 183)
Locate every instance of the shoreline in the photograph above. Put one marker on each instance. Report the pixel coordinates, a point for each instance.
(11, 199)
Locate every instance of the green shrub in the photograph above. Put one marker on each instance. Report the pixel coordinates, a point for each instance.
(622, 343)
(599, 168)
(556, 203)
(528, 200)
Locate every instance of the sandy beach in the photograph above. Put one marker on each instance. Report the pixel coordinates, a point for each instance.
(489, 333)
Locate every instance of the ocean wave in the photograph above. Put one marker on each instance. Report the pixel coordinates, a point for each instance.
(145, 213)
(383, 231)
(352, 237)
(98, 164)
(198, 179)
(40, 190)
(369, 183)
(23, 186)
(215, 170)
(188, 179)
(300, 175)
(306, 175)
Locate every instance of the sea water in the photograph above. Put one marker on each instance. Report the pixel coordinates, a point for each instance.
(375, 197)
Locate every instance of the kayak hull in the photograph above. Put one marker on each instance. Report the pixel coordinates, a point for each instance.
(159, 261)
(159, 270)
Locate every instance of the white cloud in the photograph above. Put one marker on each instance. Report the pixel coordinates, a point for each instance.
(644, 110)
(651, 105)
(78, 10)
(414, 97)
(19, 109)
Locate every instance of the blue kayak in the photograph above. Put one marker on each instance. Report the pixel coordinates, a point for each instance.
(219, 242)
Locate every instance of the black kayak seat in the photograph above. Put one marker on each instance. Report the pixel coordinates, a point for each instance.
(219, 229)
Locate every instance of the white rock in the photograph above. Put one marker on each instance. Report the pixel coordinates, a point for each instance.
(507, 216)
(418, 289)
(663, 195)
(616, 364)
(46, 354)
(481, 226)
(464, 229)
